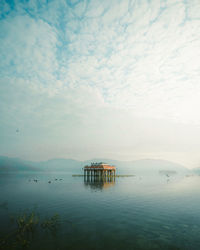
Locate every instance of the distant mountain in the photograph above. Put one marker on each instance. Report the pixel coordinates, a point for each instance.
(14, 165)
(167, 172)
(154, 166)
(68, 165)
(146, 166)
(196, 170)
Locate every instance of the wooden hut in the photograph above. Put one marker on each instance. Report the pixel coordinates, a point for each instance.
(99, 169)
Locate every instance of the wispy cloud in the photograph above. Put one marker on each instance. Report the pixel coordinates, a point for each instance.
(65, 63)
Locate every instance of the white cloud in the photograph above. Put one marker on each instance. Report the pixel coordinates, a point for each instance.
(68, 68)
(193, 9)
(27, 47)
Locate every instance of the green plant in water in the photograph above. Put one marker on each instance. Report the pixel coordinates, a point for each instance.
(26, 225)
(51, 224)
(27, 222)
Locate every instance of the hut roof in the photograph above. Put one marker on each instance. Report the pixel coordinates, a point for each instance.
(100, 165)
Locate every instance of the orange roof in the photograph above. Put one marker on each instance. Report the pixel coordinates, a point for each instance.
(100, 166)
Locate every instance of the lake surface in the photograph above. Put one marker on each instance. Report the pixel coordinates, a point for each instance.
(140, 212)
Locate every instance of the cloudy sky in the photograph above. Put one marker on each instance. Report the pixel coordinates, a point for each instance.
(112, 79)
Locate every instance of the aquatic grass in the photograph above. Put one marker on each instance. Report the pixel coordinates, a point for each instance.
(51, 224)
(27, 225)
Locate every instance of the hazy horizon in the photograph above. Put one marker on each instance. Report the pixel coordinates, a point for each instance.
(98, 159)
(100, 79)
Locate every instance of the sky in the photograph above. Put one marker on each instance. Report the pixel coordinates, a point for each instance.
(115, 79)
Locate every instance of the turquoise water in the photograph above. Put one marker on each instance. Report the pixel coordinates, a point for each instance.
(141, 212)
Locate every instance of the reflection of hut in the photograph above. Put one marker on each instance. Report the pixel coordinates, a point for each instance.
(109, 184)
(99, 169)
(99, 182)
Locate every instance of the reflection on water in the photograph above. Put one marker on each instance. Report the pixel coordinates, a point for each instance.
(141, 212)
(99, 182)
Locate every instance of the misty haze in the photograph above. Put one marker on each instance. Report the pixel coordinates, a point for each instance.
(99, 124)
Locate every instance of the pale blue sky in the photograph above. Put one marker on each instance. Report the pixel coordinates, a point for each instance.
(115, 79)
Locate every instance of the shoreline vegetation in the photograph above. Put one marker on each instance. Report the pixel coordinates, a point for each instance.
(117, 175)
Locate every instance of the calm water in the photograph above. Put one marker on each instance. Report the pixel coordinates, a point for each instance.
(141, 212)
